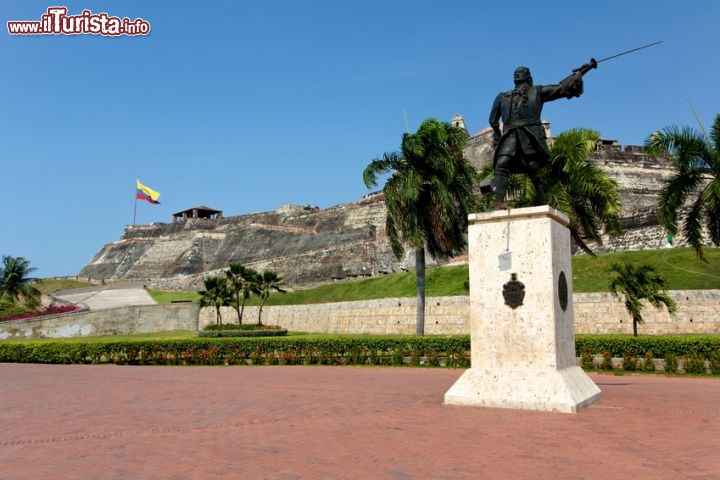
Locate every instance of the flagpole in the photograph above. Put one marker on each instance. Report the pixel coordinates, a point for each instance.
(135, 207)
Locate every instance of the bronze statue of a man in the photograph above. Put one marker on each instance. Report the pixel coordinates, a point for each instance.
(521, 147)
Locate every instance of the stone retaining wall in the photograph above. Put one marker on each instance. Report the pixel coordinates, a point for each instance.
(113, 321)
(594, 313)
(698, 311)
(443, 315)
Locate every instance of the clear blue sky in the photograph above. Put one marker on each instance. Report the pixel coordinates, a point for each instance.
(246, 106)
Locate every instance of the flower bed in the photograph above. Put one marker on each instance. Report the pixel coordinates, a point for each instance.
(54, 309)
(248, 330)
(228, 332)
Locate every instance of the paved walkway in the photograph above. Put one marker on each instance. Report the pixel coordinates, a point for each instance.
(108, 422)
(106, 296)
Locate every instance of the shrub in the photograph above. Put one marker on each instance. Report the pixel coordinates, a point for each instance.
(607, 363)
(629, 363)
(217, 333)
(715, 362)
(587, 359)
(671, 363)
(648, 363)
(235, 326)
(695, 364)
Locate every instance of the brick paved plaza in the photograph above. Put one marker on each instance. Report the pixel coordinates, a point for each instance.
(108, 422)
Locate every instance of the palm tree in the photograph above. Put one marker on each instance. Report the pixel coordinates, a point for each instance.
(242, 279)
(15, 284)
(216, 294)
(574, 186)
(428, 196)
(696, 180)
(637, 283)
(267, 281)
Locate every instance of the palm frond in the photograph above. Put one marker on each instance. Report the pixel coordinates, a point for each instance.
(692, 228)
(380, 166)
(580, 188)
(686, 147)
(711, 200)
(677, 189)
(715, 135)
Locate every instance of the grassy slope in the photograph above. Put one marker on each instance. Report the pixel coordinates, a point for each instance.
(164, 297)
(53, 284)
(679, 266)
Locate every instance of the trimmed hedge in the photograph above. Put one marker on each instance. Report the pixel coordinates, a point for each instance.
(450, 351)
(278, 332)
(246, 326)
(659, 345)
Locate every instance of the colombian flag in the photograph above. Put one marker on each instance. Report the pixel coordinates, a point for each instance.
(146, 193)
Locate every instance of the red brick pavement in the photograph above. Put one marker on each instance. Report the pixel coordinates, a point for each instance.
(107, 422)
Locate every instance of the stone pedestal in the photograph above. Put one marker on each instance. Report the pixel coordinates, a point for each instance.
(521, 315)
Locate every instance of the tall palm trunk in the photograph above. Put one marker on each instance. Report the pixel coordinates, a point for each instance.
(262, 304)
(635, 324)
(237, 308)
(420, 280)
(242, 309)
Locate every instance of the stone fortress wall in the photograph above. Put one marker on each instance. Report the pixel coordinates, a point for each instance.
(594, 313)
(307, 245)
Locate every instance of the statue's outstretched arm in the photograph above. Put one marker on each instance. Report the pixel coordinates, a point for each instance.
(572, 85)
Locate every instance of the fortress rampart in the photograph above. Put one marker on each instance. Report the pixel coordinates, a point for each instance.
(307, 245)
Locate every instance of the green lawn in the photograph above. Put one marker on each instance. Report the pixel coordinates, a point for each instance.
(52, 284)
(679, 266)
(163, 297)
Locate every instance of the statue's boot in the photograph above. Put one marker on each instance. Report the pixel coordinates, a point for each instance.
(501, 181)
(539, 192)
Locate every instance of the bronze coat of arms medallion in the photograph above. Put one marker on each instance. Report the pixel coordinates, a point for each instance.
(514, 292)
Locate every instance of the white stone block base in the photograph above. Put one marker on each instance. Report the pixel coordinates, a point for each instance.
(568, 390)
(521, 315)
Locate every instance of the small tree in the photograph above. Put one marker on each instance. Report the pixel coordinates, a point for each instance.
(428, 196)
(217, 294)
(15, 282)
(637, 283)
(267, 281)
(243, 281)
